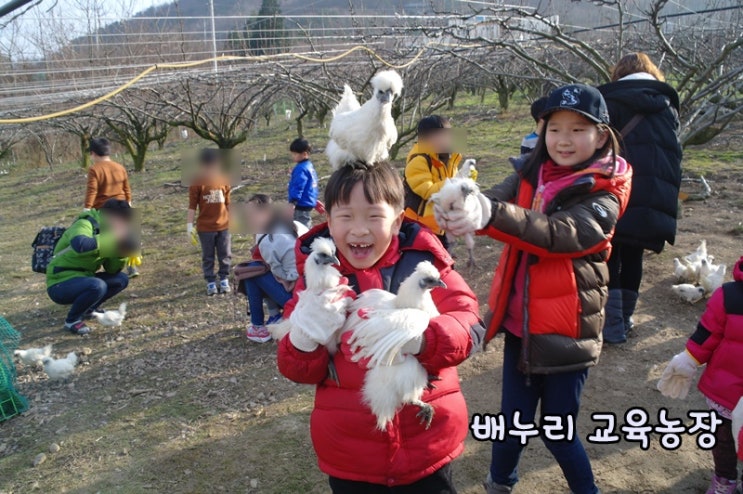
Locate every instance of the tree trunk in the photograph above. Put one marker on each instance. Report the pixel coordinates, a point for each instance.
(300, 126)
(138, 157)
(85, 150)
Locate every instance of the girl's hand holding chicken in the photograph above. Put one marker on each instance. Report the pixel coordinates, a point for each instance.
(460, 208)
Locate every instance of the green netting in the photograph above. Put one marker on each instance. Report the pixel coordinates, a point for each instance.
(11, 402)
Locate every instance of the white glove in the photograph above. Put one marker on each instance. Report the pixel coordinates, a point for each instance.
(301, 340)
(737, 424)
(318, 317)
(678, 376)
(189, 228)
(412, 347)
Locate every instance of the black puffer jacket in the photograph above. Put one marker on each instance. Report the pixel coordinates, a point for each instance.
(654, 151)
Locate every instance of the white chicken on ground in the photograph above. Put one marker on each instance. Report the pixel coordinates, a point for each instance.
(711, 276)
(462, 195)
(365, 132)
(60, 368)
(684, 271)
(111, 317)
(388, 330)
(322, 306)
(33, 356)
(688, 292)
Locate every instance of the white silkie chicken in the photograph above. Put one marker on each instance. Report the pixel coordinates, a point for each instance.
(323, 289)
(34, 356)
(385, 326)
(699, 254)
(60, 368)
(468, 170)
(684, 271)
(365, 132)
(111, 317)
(688, 292)
(711, 276)
(462, 194)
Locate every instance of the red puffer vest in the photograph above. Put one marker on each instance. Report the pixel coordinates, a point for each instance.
(343, 429)
(718, 342)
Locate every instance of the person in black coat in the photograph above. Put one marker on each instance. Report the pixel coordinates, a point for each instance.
(644, 109)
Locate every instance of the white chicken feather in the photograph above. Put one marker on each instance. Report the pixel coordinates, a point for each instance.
(468, 169)
(382, 324)
(111, 317)
(60, 368)
(699, 254)
(684, 270)
(365, 132)
(688, 292)
(459, 194)
(33, 356)
(711, 276)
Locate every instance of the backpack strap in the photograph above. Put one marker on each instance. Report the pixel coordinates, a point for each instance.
(630, 126)
(412, 200)
(393, 276)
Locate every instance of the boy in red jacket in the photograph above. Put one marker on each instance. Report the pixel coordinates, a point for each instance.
(717, 342)
(377, 248)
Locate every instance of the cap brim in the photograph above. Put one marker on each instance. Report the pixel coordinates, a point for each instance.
(552, 110)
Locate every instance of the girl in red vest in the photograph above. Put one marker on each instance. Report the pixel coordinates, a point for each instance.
(378, 248)
(556, 216)
(717, 342)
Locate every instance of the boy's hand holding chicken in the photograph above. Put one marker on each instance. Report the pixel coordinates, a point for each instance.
(321, 307)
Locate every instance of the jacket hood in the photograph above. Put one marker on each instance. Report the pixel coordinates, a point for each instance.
(642, 96)
(738, 270)
(412, 236)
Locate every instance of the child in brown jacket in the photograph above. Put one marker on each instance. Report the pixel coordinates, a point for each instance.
(210, 193)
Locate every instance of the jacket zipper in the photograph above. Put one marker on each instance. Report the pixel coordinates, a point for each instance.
(525, 343)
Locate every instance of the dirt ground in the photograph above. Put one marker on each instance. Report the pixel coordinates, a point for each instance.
(177, 400)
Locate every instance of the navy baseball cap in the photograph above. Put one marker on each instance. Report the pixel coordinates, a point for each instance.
(582, 99)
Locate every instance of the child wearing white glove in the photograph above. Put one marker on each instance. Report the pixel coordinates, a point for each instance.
(717, 342)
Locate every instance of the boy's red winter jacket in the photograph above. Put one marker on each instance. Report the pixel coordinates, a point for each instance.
(718, 342)
(343, 429)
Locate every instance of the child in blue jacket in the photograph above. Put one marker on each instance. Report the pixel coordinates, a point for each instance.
(303, 185)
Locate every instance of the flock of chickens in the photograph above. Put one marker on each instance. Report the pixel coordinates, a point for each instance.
(63, 368)
(696, 275)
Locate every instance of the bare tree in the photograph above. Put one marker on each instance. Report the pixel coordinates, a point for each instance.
(703, 59)
(219, 109)
(134, 126)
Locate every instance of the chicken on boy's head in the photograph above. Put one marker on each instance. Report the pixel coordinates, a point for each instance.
(365, 211)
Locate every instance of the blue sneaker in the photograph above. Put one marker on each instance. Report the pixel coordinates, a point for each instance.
(275, 319)
(211, 289)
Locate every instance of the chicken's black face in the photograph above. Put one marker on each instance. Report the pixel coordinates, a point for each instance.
(430, 282)
(323, 259)
(385, 96)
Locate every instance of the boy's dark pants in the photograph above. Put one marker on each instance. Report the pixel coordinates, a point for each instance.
(218, 242)
(87, 293)
(439, 482)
